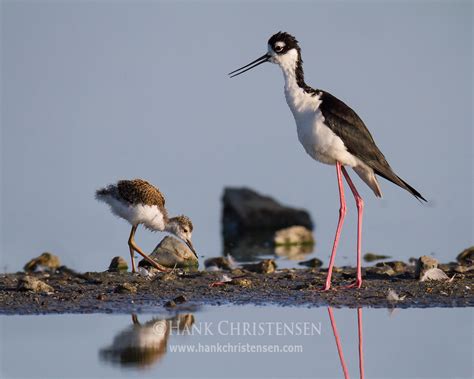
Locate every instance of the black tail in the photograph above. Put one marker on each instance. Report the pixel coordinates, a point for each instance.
(401, 183)
(101, 192)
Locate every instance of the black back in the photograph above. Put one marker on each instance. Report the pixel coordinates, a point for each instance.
(348, 126)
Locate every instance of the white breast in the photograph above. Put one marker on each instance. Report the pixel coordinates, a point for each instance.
(318, 140)
(148, 215)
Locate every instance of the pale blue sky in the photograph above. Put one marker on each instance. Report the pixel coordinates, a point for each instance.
(97, 91)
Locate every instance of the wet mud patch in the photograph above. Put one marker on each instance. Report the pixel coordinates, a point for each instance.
(106, 292)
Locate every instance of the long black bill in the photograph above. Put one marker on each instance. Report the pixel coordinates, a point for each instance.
(264, 58)
(190, 245)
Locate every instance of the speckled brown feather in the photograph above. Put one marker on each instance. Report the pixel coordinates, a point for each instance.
(139, 191)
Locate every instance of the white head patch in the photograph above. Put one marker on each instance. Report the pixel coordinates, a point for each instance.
(280, 45)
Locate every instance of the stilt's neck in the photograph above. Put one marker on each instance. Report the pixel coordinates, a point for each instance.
(292, 67)
(299, 96)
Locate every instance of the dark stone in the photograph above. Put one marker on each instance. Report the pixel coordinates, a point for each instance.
(370, 257)
(220, 262)
(466, 257)
(118, 264)
(267, 266)
(246, 210)
(170, 304)
(398, 267)
(314, 262)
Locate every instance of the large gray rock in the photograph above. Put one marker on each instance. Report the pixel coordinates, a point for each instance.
(171, 252)
(246, 210)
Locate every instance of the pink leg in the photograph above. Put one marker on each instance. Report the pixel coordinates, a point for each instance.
(342, 214)
(361, 343)
(338, 343)
(360, 211)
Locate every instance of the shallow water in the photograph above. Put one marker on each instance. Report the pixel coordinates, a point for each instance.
(398, 343)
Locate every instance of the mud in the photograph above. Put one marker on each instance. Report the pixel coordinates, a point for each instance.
(125, 292)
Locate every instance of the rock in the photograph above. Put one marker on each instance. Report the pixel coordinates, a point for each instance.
(118, 264)
(466, 257)
(314, 262)
(29, 283)
(180, 299)
(294, 235)
(168, 276)
(45, 262)
(370, 257)
(220, 262)
(170, 304)
(246, 210)
(398, 267)
(171, 252)
(237, 272)
(423, 264)
(242, 282)
(267, 266)
(385, 270)
(433, 274)
(125, 288)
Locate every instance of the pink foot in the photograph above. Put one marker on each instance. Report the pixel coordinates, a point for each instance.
(356, 284)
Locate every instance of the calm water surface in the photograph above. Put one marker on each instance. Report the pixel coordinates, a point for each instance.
(415, 343)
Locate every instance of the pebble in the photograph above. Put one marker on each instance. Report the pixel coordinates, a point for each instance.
(45, 262)
(314, 262)
(267, 266)
(433, 274)
(118, 264)
(126, 288)
(221, 263)
(397, 266)
(371, 257)
(424, 264)
(242, 282)
(28, 283)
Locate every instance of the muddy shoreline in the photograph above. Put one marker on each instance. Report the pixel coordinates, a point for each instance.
(107, 292)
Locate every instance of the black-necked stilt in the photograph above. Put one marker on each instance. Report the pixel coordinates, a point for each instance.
(330, 132)
(139, 202)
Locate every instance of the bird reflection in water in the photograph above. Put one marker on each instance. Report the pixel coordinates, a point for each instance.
(339, 345)
(143, 345)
